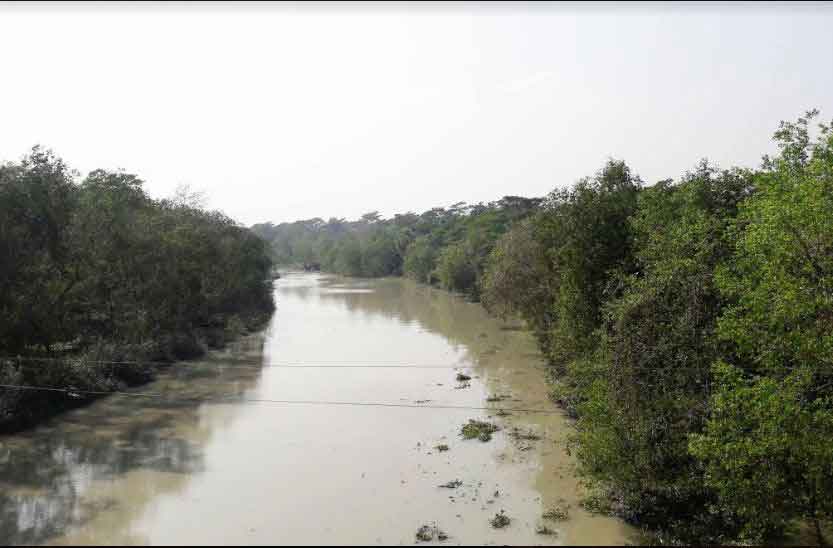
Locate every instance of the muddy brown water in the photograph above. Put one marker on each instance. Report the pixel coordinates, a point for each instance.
(130, 470)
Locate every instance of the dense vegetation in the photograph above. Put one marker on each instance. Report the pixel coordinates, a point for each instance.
(448, 247)
(97, 271)
(689, 326)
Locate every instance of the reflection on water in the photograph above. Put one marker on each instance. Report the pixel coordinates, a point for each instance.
(46, 473)
(143, 471)
(463, 324)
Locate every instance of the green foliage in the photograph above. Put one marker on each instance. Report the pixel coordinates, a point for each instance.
(649, 388)
(782, 277)
(455, 268)
(768, 444)
(589, 242)
(421, 260)
(689, 326)
(518, 278)
(381, 255)
(768, 450)
(102, 271)
(444, 246)
(634, 293)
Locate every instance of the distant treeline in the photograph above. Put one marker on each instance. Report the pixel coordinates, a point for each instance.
(689, 326)
(448, 247)
(97, 271)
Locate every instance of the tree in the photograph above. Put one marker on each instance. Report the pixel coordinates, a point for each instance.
(420, 260)
(518, 278)
(586, 230)
(455, 269)
(767, 444)
(98, 272)
(647, 391)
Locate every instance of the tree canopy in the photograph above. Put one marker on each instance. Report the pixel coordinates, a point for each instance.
(97, 270)
(688, 326)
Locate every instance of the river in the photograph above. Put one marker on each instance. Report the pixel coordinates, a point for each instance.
(186, 468)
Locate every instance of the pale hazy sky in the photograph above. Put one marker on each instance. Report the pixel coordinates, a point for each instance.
(287, 112)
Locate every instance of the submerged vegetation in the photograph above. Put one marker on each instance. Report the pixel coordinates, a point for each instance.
(688, 325)
(97, 279)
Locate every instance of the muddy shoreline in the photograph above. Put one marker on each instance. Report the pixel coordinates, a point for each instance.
(44, 406)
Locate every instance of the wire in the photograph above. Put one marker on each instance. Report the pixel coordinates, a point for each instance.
(234, 399)
(235, 364)
(287, 365)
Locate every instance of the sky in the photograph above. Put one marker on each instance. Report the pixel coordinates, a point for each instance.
(285, 112)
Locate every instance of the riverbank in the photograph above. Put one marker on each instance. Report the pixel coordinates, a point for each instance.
(104, 368)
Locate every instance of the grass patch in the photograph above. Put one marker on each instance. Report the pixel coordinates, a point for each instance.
(478, 429)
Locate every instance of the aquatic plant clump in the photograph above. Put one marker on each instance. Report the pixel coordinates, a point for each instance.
(597, 504)
(427, 533)
(500, 520)
(557, 513)
(478, 429)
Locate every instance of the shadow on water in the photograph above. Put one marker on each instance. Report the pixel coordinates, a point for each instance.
(46, 473)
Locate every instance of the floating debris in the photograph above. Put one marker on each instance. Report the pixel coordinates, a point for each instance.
(461, 377)
(453, 484)
(517, 435)
(441, 447)
(544, 530)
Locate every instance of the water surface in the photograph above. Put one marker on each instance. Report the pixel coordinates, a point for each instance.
(184, 470)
